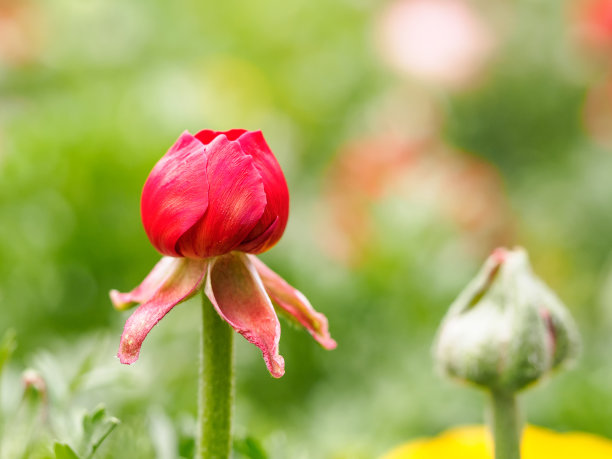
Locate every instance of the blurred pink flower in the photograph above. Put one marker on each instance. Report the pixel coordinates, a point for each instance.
(461, 188)
(597, 113)
(438, 41)
(213, 200)
(592, 21)
(20, 32)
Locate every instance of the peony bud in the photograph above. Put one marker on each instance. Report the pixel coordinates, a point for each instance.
(506, 329)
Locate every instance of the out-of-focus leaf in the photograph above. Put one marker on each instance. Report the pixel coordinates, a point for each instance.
(96, 427)
(86, 366)
(23, 429)
(250, 448)
(63, 451)
(163, 435)
(7, 347)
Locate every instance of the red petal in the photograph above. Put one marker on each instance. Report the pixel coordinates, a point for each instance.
(175, 195)
(162, 270)
(236, 202)
(184, 279)
(274, 219)
(262, 242)
(206, 136)
(236, 291)
(294, 303)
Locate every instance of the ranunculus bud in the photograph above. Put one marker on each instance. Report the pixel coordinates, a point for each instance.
(209, 204)
(214, 193)
(506, 329)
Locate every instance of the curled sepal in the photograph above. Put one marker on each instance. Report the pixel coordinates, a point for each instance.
(158, 294)
(237, 293)
(294, 304)
(164, 269)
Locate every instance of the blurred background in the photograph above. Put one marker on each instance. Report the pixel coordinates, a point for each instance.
(415, 135)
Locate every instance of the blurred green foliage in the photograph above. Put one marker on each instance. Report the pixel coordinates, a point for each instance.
(107, 87)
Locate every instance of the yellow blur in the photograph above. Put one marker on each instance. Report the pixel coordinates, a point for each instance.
(474, 442)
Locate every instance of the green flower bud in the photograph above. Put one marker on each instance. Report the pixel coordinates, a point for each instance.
(507, 328)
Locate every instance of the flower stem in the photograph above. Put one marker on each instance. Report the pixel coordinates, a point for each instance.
(505, 425)
(216, 385)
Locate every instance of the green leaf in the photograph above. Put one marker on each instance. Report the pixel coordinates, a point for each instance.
(250, 448)
(86, 366)
(63, 451)
(96, 427)
(7, 347)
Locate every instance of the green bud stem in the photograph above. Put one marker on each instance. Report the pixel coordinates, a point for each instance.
(216, 385)
(505, 425)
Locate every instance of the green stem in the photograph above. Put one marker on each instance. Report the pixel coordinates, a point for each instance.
(505, 425)
(216, 385)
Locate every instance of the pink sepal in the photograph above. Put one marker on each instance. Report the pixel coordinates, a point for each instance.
(237, 293)
(294, 303)
(147, 288)
(181, 280)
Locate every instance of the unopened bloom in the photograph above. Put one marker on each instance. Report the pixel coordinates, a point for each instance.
(209, 204)
(476, 443)
(507, 329)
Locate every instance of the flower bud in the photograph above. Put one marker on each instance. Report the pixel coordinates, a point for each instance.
(210, 203)
(506, 329)
(35, 393)
(213, 193)
(33, 381)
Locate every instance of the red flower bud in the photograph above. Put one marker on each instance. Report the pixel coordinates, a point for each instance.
(211, 197)
(214, 193)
